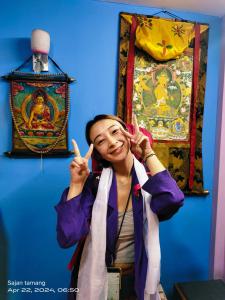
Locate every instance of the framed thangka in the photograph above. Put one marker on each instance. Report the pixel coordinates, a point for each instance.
(39, 106)
(162, 71)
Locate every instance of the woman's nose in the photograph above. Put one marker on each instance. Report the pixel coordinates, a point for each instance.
(112, 140)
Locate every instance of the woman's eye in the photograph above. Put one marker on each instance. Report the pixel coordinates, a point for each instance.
(100, 142)
(115, 131)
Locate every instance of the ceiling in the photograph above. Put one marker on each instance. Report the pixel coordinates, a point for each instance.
(208, 7)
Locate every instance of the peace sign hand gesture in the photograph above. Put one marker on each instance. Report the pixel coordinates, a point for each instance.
(140, 144)
(79, 170)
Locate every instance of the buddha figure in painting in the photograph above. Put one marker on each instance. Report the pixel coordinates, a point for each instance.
(40, 116)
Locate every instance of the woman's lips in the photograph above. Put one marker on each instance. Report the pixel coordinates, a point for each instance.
(118, 150)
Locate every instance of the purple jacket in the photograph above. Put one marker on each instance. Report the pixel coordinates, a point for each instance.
(74, 216)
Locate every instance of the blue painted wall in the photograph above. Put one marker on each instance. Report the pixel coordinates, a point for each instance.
(84, 41)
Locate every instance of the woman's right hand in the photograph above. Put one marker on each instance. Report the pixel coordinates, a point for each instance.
(79, 170)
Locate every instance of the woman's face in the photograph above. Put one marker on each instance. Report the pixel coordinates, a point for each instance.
(109, 140)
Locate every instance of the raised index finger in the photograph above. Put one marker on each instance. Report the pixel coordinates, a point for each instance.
(76, 149)
(90, 150)
(135, 123)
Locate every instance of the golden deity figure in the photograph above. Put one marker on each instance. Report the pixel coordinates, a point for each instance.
(161, 95)
(40, 116)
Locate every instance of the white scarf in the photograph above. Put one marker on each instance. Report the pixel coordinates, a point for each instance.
(92, 277)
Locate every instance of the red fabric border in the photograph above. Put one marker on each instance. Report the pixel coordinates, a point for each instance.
(130, 71)
(193, 109)
(76, 255)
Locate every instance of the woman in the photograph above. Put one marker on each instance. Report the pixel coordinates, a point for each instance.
(124, 219)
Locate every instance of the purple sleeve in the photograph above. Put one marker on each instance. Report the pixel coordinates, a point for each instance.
(73, 217)
(167, 198)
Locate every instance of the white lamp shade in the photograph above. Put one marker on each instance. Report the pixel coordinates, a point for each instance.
(40, 41)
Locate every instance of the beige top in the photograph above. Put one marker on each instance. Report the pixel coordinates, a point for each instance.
(125, 243)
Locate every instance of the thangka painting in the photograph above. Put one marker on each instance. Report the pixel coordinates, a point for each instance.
(162, 71)
(40, 112)
(162, 96)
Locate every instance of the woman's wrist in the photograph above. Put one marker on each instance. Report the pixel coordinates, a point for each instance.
(77, 185)
(153, 163)
(74, 190)
(148, 154)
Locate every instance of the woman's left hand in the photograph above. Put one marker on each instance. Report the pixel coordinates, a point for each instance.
(140, 144)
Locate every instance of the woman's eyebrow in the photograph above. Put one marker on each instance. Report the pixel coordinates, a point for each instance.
(103, 131)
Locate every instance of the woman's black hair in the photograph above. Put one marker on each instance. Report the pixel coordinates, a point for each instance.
(102, 162)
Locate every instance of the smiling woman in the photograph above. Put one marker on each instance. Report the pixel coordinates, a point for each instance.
(118, 227)
(114, 125)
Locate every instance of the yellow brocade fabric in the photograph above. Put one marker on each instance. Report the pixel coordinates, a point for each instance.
(163, 39)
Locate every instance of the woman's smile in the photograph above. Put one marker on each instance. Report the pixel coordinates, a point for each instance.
(118, 150)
